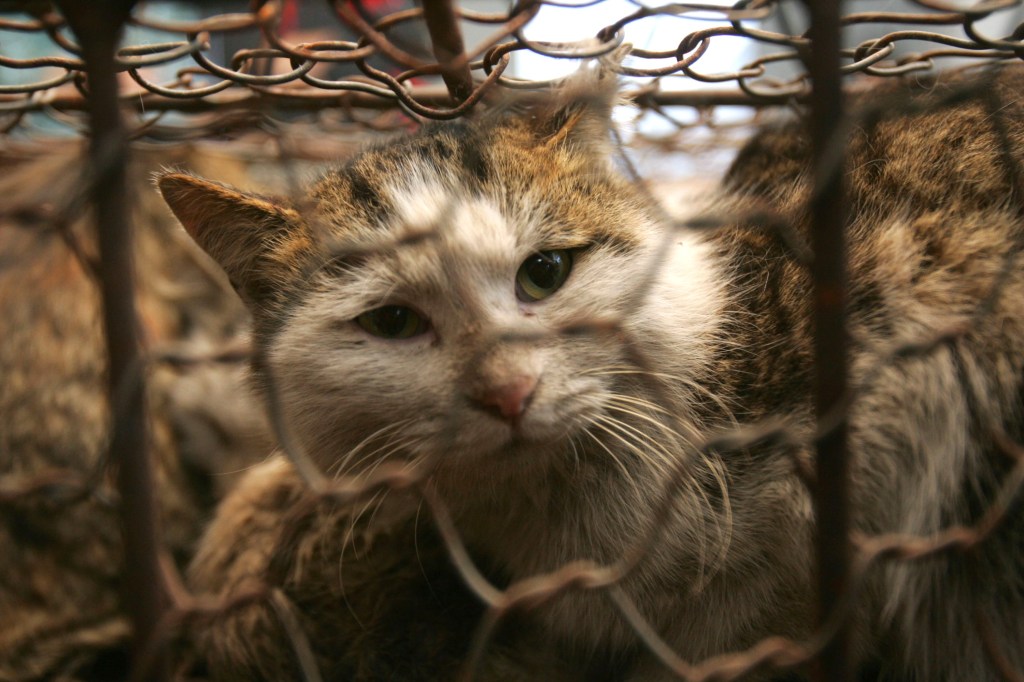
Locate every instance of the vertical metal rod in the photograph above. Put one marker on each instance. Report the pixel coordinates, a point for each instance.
(449, 50)
(830, 338)
(97, 27)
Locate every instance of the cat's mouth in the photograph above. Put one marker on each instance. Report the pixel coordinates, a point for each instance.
(521, 435)
(527, 437)
(513, 429)
(517, 454)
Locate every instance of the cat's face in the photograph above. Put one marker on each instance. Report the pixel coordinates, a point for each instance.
(460, 341)
(488, 298)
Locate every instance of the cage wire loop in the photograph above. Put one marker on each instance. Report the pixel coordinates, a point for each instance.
(755, 85)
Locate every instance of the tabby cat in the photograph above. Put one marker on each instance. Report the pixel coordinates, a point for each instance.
(497, 306)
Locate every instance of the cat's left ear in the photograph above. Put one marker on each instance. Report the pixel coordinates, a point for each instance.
(260, 242)
(580, 111)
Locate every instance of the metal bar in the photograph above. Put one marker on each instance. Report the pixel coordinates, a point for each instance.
(449, 50)
(828, 240)
(98, 27)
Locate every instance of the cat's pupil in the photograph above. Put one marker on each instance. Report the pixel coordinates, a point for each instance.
(542, 270)
(392, 322)
(392, 319)
(542, 274)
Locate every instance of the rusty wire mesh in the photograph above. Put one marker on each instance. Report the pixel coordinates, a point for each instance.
(176, 70)
(177, 91)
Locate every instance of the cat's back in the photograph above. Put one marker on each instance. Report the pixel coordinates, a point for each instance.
(933, 221)
(941, 142)
(932, 178)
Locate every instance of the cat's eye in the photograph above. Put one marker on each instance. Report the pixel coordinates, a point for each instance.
(542, 274)
(393, 322)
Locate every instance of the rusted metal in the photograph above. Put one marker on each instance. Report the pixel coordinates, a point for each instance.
(449, 50)
(314, 100)
(828, 271)
(204, 84)
(98, 28)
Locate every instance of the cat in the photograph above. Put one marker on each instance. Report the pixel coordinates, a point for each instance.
(60, 579)
(497, 305)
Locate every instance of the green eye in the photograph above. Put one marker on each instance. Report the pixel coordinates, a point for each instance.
(393, 322)
(542, 274)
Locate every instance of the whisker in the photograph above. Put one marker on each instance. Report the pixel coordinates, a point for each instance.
(689, 483)
(342, 462)
(612, 370)
(388, 447)
(362, 510)
(638, 402)
(621, 429)
(665, 467)
(380, 503)
(624, 405)
(376, 501)
(627, 474)
(717, 468)
(680, 387)
(416, 549)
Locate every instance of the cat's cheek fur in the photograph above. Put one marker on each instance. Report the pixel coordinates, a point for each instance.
(682, 309)
(338, 390)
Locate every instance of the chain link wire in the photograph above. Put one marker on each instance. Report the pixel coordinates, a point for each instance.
(177, 69)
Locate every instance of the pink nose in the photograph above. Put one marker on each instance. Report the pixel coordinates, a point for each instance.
(510, 400)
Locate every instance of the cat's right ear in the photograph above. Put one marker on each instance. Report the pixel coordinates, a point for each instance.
(259, 242)
(578, 112)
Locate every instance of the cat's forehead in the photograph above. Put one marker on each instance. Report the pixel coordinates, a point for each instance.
(495, 184)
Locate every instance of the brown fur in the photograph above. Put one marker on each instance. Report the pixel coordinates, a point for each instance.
(331, 561)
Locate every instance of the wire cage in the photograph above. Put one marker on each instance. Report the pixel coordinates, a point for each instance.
(301, 83)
